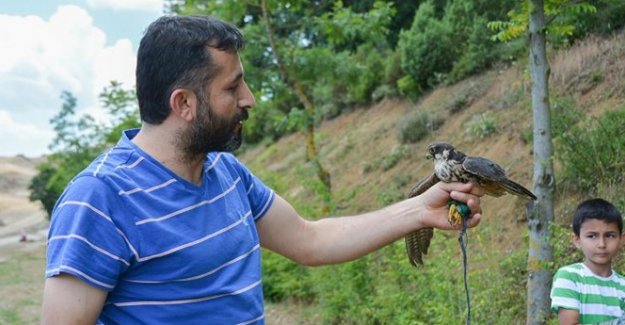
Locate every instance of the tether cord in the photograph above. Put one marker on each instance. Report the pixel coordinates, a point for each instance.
(463, 246)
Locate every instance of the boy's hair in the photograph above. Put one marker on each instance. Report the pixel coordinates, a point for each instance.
(174, 53)
(596, 209)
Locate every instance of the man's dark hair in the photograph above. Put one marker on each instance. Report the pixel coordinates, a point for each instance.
(596, 209)
(173, 53)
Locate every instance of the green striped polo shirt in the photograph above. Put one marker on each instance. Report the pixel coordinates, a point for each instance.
(598, 299)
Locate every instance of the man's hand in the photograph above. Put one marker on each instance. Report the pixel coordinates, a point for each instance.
(435, 209)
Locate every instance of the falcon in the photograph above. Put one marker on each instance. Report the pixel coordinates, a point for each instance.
(451, 165)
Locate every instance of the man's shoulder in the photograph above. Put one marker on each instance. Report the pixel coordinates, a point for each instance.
(110, 167)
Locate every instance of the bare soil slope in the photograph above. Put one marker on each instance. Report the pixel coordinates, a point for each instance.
(16, 211)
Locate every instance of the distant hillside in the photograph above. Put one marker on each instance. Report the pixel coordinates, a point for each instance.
(16, 211)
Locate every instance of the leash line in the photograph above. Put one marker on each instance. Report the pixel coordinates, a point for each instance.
(463, 246)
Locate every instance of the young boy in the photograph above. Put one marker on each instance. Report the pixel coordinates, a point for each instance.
(591, 292)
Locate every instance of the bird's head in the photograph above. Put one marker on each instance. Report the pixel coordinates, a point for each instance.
(441, 151)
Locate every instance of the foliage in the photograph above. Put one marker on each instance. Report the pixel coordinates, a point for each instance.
(79, 140)
(383, 288)
(394, 192)
(474, 49)
(518, 22)
(284, 279)
(417, 126)
(482, 126)
(39, 190)
(608, 18)
(426, 48)
(564, 115)
(593, 152)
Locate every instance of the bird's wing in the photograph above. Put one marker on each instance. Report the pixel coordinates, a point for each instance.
(493, 178)
(418, 242)
(484, 168)
(423, 185)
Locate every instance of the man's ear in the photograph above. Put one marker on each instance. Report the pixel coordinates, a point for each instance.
(183, 103)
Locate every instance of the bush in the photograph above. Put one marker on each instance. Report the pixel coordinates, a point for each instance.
(426, 48)
(417, 126)
(283, 279)
(482, 126)
(594, 151)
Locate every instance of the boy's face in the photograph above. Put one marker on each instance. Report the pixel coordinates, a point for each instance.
(600, 242)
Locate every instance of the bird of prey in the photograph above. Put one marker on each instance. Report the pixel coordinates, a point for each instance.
(451, 165)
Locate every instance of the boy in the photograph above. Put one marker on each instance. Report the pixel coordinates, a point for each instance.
(591, 292)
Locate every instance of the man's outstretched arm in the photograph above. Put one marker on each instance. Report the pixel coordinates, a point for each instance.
(340, 239)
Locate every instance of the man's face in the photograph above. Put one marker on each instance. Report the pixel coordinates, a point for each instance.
(600, 242)
(218, 124)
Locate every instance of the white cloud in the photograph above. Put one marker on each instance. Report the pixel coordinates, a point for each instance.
(25, 138)
(41, 58)
(138, 5)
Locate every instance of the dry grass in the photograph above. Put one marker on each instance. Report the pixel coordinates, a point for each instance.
(591, 62)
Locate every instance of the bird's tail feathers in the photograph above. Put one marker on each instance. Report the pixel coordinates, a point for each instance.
(518, 189)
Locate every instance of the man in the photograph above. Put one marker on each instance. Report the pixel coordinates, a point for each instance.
(166, 226)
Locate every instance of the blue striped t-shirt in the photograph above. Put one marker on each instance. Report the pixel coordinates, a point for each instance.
(167, 251)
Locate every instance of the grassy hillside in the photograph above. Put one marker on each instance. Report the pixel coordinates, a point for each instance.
(487, 115)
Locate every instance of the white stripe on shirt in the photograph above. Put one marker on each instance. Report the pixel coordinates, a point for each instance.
(232, 261)
(92, 245)
(85, 204)
(217, 157)
(195, 242)
(95, 172)
(133, 165)
(65, 268)
(191, 207)
(185, 301)
(153, 188)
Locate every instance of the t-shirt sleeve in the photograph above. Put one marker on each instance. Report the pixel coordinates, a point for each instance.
(83, 239)
(564, 291)
(259, 195)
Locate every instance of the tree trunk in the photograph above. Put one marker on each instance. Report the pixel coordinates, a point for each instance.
(311, 147)
(540, 212)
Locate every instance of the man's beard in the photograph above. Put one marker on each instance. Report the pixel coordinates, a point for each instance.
(210, 132)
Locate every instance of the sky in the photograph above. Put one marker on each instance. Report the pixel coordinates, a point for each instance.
(51, 46)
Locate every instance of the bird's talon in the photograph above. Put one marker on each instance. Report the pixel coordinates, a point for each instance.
(457, 212)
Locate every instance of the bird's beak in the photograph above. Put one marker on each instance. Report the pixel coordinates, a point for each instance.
(429, 156)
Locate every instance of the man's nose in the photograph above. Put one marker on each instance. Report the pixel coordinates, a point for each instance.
(247, 100)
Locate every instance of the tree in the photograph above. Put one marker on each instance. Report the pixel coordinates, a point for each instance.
(311, 146)
(534, 18)
(79, 140)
